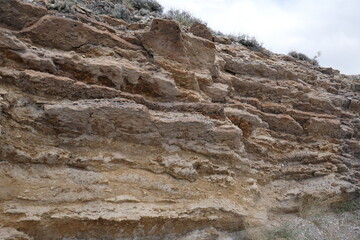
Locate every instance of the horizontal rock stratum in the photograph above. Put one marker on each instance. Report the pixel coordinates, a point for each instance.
(157, 132)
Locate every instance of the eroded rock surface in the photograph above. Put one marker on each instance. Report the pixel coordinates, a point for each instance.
(158, 133)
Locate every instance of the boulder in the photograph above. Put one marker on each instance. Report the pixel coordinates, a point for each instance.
(166, 39)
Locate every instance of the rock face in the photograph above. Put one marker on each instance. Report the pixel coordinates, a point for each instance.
(17, 15)
(156, 133)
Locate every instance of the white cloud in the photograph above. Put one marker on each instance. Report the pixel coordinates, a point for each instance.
(308, 26)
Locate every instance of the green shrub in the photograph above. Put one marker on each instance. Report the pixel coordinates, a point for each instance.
(121, 12)
(66, 6)
(283, 232)
(183, 17)
(247, 41)
(303, 57)
(151, 5)
(99, 7)
(347, 206)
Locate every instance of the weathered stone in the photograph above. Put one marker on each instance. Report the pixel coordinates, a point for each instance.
(246, 121)
(324, 127)
(218, 92)
(282, 123)
(17, 15)
(257, 68)
(239, 66)
(201, 30)
(67, 34)
(221, 39)
(9, 41)
(44, 84)
(355, 106)
(12, 234)
(114, 22)
(166, 39)
(137, 26)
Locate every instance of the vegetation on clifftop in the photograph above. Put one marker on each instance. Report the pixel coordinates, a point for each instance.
(303, 57)
(137, 10)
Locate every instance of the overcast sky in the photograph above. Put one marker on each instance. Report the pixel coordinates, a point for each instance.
(307, 26)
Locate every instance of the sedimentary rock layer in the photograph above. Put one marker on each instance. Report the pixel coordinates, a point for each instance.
(156, 132)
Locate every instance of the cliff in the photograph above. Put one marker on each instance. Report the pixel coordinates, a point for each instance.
(155, 130)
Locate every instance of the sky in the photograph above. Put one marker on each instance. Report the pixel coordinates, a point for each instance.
(308, 26)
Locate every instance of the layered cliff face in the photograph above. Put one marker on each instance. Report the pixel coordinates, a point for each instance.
(157, 132)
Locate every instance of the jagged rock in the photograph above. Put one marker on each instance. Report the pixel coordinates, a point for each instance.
(114, 22)
(221, 39)
(35, 62)
(246, 121)
(282, 123)
(9, 41)
(46, 84)
(12, 234)
(137, 26)
(218, 92)
(201, 30)
(355, 106)
(66, 34)
(324, 127)
(166, 39)
(18, 15)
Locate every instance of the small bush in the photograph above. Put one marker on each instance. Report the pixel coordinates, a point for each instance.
(183, 17)
(248, 41)
(121, 12)
(303, 57)
(283, 232)
(347, 206)
(66, 6)
(151, 5)
(99, 7)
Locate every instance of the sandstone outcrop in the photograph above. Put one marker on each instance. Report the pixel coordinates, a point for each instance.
(201, 30)
(66, 34)
(157, 133)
